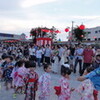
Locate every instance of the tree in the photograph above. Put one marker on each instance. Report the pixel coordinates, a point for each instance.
(79, 34)
(43, 32)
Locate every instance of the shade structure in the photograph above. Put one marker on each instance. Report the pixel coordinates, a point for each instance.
(43, 41)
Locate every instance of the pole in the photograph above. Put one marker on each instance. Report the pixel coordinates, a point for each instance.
(72, 31)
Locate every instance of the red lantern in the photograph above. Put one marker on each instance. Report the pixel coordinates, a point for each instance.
(67, 30)
(82, 27)
(82, 35)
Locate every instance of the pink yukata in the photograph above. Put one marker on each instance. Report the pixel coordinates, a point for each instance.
(20, 74)
(44, 86)
(86, 90)
(65, 89)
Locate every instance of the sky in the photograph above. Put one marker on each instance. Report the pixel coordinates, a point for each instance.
(19, 16)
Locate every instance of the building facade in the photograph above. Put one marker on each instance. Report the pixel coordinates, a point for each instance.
(7, 36)
(93, 34)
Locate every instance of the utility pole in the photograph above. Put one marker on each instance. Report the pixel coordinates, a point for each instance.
(72, 30)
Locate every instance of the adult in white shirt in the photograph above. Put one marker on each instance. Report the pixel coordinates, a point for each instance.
(32, 53)
(61, 51)
(39, 56)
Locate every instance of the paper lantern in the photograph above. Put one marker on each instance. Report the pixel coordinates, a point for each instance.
(82, 35)
(82, 27)
(67, 30)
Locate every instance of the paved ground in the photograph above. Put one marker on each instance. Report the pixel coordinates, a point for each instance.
(7, 95)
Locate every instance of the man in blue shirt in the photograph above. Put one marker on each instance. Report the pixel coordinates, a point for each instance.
(94, 76)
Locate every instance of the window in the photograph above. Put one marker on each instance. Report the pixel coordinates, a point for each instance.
(84, 39)
(96, 31)
(89, 32)
(96, 39)
(99, 30)
(88, 39)
(6, 35)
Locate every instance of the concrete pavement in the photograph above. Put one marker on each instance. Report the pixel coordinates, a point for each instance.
(7, 95)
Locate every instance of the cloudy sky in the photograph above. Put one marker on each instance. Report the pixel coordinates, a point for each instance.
(19, 16)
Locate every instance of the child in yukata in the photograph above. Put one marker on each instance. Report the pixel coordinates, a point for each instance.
(65, 85)
(21, 71)
(7, 72)
(31, 81)
(86, 87)
(94, 76)
(17, 79)
(45, 83)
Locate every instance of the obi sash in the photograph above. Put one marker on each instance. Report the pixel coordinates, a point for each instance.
(20, 76)
(31, 80)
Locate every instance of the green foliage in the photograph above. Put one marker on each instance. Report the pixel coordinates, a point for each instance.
(79, 34)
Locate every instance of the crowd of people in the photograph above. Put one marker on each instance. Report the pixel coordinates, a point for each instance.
(19, 61)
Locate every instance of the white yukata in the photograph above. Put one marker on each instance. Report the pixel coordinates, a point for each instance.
(86, 90)
(14, 75)
(65, 89)
(64, 57)
(44, 86)
(20, 76)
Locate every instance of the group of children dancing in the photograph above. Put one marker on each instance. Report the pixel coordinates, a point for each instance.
(22, 77)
